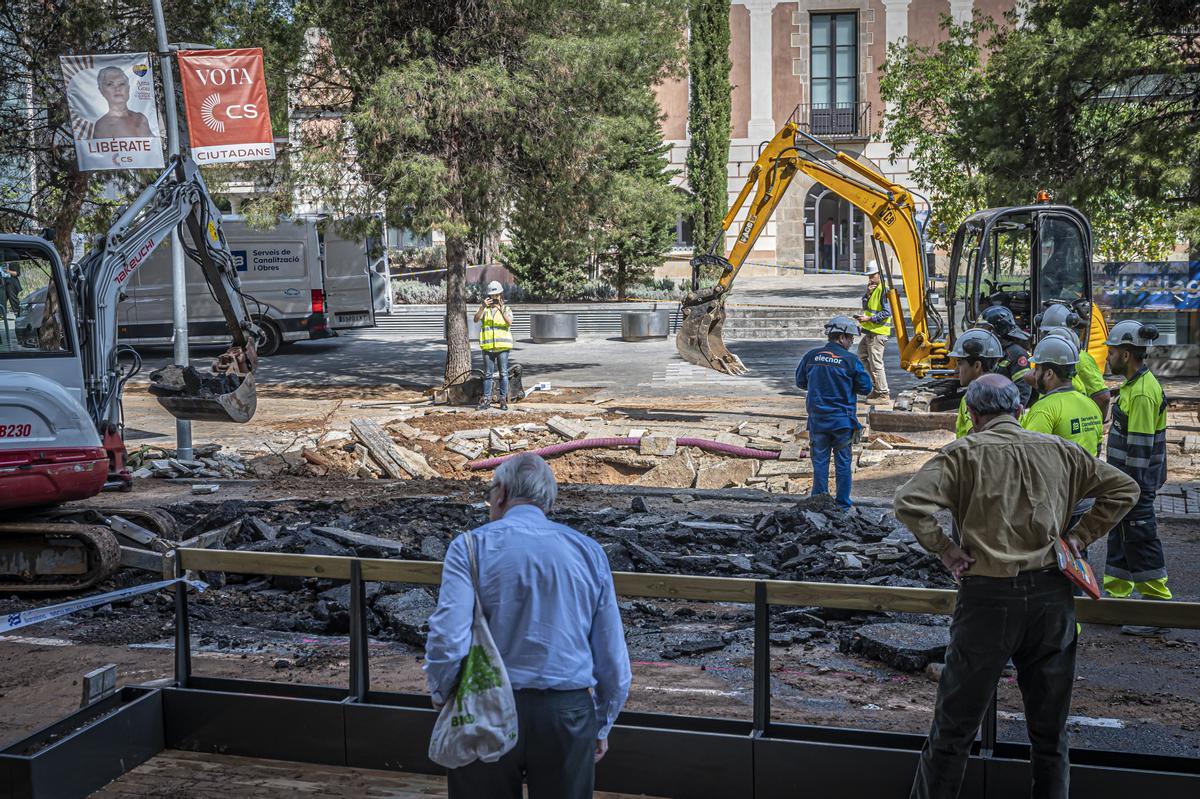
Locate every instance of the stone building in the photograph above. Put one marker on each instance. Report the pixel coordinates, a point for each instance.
(820, 61)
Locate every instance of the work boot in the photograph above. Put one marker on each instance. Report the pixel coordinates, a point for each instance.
(878, 398)
(484, 404)
(504, 403)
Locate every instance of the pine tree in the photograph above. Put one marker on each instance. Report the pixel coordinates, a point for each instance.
(470, 114)
(709, 118)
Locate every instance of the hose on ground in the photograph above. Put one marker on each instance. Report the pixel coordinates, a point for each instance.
(705, 444)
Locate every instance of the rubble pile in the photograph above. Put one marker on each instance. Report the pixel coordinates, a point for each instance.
(813, 540)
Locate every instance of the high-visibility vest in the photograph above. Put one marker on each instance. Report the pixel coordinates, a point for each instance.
(1067, 414)
(495, 335)
(875, 305)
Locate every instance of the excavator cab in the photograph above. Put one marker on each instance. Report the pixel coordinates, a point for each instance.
(1025, 258)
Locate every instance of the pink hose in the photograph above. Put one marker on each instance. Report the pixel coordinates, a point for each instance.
(630, 441)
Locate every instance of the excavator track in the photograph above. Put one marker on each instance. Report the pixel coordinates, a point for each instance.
(40, 557)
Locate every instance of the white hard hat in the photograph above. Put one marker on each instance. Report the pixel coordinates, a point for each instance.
(495, 288)
(1063, 333)
(841, 325)
(872, 268)
(1055, 350)
(977, 343)
(1131, 331)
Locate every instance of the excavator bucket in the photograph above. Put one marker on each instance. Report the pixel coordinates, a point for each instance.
(699, 339)
(226, 394)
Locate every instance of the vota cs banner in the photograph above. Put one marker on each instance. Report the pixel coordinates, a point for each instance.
(225, 92)
(114, 117)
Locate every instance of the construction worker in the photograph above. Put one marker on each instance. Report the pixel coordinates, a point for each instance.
(1088, 379)
(977, 351)
(1015, 363)
(876, 330)
(495, 339)
(1061, 410)
(1008, 491)
(1137, 445)
(832, 376)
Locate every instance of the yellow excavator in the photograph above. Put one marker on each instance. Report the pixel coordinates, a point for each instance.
(1023, 257)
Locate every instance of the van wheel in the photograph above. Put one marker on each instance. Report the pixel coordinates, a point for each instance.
(271, 339)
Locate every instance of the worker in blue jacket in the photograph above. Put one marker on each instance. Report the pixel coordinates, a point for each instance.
(833, 376)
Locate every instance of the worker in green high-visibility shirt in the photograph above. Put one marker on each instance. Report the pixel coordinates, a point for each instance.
(1137, 445)
(1089, 378)
(976, 353)
(876, 328)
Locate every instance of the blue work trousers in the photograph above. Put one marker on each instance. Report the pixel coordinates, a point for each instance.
(493, 361)
(820, 445)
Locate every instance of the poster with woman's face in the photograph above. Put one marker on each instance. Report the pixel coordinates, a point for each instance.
(114, 116)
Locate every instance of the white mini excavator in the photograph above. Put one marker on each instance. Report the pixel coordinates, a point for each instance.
(62, 375)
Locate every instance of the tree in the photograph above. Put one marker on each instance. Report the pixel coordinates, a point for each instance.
(467, 110)
(709, 118)
(637, 218)
(1097, 101)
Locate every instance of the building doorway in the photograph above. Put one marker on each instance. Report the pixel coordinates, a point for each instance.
(834, 233)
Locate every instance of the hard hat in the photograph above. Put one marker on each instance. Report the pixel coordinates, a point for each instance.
(977, 343)
(872, 268)
(1063, 333)
(1056, 350)
(1131, 331)
(1058, 315)
(1002, 321)
(841, 325)
(495, 288)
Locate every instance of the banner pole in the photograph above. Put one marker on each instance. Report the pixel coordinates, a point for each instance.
(183, 427)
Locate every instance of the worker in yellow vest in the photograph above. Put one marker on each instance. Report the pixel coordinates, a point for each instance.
(495, 339)
(1089, 377)
(876, 328)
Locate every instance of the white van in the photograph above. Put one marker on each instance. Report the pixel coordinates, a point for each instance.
(301, 280)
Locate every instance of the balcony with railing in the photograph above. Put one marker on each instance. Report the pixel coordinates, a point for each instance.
(834, 120)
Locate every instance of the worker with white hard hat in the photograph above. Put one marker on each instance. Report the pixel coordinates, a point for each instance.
(1137, 445)
(495, 339)
(876, 327)
(833, 377)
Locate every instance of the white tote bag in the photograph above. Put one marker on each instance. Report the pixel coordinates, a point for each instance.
(479, 720)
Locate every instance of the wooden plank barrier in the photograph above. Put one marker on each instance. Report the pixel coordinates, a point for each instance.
(1179, 615)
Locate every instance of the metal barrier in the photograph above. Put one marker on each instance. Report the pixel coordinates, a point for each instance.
(683, 757)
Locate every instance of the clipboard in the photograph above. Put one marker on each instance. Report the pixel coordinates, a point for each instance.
(1077, 570)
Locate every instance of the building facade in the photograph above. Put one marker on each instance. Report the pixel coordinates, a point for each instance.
(818, 61)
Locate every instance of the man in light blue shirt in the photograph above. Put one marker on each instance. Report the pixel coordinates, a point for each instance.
(547, 593)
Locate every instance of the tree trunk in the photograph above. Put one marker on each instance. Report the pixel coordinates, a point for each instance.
(458, 343)
(64, 219)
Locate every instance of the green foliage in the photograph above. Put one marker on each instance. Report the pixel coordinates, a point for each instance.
(709, 118)
(1095, 101)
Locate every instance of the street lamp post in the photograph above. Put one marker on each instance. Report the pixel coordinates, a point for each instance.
(183, 427)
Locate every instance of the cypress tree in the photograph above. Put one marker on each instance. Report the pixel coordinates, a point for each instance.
(708, 118)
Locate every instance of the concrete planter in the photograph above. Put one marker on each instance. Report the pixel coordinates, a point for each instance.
(643, 325)
(549, 327)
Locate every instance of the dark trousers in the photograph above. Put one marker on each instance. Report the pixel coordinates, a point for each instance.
(1031, 619)
(554, 752)
(1135, 553)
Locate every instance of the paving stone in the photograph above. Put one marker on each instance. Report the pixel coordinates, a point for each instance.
(907, 647)
(676, 472)
(661, 446)
(725, 472)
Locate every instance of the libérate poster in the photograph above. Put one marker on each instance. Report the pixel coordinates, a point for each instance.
(114, 114)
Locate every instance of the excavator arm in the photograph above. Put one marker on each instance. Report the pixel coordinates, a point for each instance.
(226, 393)
(891, 210)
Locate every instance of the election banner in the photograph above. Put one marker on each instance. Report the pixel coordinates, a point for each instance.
(225, 93)
(114, 116)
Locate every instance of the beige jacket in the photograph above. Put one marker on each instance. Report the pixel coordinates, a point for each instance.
(1011, 492)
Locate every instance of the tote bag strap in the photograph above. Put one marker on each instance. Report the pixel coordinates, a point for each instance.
(474, 560)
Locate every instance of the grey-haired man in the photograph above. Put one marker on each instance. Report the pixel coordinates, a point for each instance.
(1010, 491)
(548, 596)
